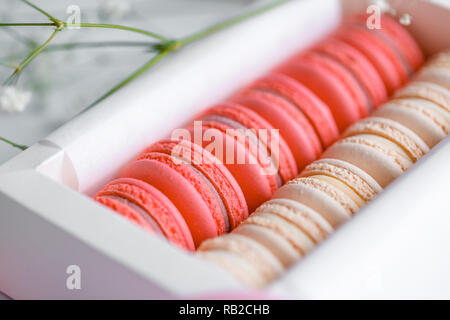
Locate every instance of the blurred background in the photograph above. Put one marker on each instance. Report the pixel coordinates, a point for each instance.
(63, 81)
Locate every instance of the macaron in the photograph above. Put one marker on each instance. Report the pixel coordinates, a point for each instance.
(128, 210)
(294, 127)
(147, 206)
(358, 180)
(299, 226)
(244, 257)
(381, 158)
(360, 67)
(426, 119)
(210, 200)
(427, 91)
(385, 43)
(314, 109)
(437, 70)
(332, 83)
(392, 130)
(259, 173)
(262, 134)
(398, 37)
(381, 55)
(321, 196)
(437, 75)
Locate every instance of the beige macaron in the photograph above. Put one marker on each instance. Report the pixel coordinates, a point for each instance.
(426, 119)
(320, 195)
(259, 259)
(358, 180)
(435, 74)
(427, 91)
(381, 158)
(392, 130)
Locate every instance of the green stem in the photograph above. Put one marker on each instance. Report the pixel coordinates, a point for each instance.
(114, 26)
(15, 145)
(229, 22)
(130, 78)
(175, 45)
(28, 24)
(56, 21)
(33, 55)
(78, 45)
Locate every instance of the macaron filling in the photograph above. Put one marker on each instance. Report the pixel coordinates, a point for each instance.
(146, 215)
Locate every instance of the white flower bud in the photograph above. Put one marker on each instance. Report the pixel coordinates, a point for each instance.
(13, 100)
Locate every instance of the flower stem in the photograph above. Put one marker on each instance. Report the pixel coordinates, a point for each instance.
(115, 26)
(33, 55)
(130, 78)
(27, 24)
(229, 22)
(56, 21)
(175, 45)
(15, 145)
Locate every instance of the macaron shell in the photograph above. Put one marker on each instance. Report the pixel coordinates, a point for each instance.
(370, 155)
(256, 184)
(276, 243)
(259, 257)
(412, 144)
(374, 50)
(319, 196)
(389, 48)
(300, 215)
(331, 83)
(422, 117)
(156, 204)
(222, 180)
(294, 235)
(358, 65)
(404, 40)
(427, 91)
(294, 127)
(434, 74)
(283, 158)
(242, 270)
(125, 211)
(316, 111)
(397, 36)
(191, 202)
(353, 176)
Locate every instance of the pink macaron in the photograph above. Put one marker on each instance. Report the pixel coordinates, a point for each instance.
(294, 127)
(148, 207)
(380, 54)
(332, 83)
(397, 37)
(230, 132)
(200, 187)
(314, 109)
(359, 66)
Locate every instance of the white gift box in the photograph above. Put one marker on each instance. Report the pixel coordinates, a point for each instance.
(51, 230)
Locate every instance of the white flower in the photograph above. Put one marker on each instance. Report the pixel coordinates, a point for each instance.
(13, 99)
(114, 9)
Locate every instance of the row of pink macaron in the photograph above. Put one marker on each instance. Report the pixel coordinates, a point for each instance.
(370, 155)
(310, 99)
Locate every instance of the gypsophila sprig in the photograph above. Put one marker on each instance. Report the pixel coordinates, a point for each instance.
(16, 100)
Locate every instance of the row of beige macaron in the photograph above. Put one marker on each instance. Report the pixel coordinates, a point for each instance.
(370, 155)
